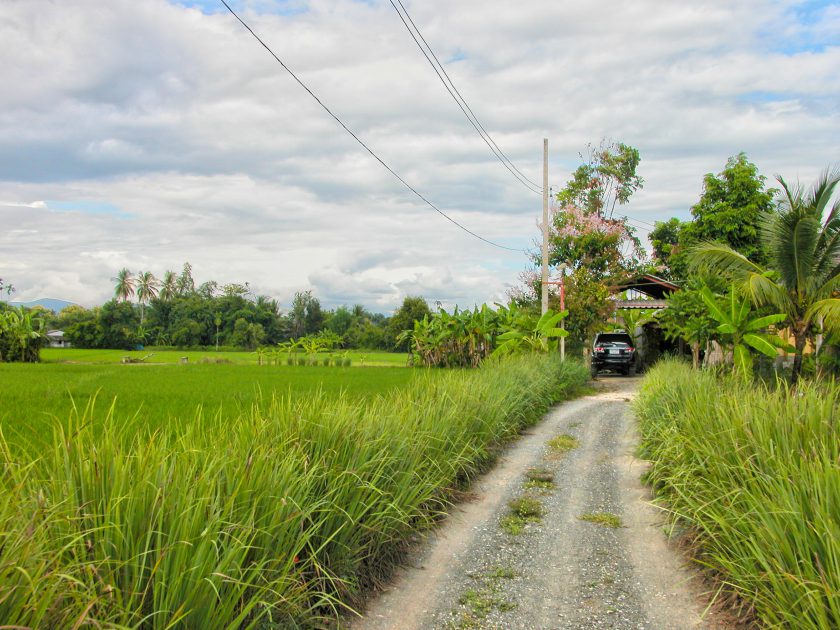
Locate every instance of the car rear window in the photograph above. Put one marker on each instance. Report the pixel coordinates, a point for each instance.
(614, 338)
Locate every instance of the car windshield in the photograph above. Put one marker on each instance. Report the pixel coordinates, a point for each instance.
(614, 344)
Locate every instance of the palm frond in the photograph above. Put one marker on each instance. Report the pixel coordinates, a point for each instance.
(822, 192)
(763, 290)
(829, 286)
(719, 259)
(828, 310)
(790, 196)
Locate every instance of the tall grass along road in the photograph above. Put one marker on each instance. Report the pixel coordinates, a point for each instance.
(560, 535)
(277, 515)
(754, 473)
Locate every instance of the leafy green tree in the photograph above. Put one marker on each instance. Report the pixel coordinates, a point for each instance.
(117, 323)
(664, 240)
(85, 333)
(687, 318)
(124, 284)
(236, 289)
(802, 277)
(730, 210)
(340, 320)
(247, 335)
(186, 284)
(72, 314)
(314, 316)
(607, 178)
(413, 309)
(208, 290)
(587, 300)
(306, 315)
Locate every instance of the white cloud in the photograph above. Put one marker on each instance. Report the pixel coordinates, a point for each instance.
(212, 154)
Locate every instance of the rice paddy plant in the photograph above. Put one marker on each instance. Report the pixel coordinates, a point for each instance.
(756, 473)
(278, 515)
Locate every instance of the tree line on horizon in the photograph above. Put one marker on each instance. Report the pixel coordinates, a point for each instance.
(176, 312)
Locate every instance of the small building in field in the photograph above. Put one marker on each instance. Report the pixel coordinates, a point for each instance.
(55, 339)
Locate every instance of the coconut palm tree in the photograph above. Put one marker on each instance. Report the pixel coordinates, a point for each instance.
(147, 288)
(169, 286)
(124, 285)
(803, 275)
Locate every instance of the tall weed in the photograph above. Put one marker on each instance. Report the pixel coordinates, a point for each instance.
(279, 515)
(756, 472)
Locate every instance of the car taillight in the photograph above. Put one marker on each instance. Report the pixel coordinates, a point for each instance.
(599, 349)
(631, 349)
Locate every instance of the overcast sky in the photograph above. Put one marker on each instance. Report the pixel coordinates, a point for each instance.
(146, 133)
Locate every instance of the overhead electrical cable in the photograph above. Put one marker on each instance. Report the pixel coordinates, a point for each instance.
(639, 221)
(361, 142)
(437, 66)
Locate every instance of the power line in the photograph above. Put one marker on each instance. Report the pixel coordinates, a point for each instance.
(631, 219)
(437, 66)
(359, 140)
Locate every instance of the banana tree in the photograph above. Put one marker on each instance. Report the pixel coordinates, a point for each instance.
(634, 319)
(532, 333)
(744, 329)
(21, 336)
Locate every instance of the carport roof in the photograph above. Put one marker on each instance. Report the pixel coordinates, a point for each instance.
(652, 286)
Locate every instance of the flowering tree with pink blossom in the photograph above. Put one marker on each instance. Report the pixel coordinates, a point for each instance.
(582, 239)
(600, 250)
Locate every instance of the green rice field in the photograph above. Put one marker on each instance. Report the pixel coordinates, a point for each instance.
(359, 358)
(33, 396)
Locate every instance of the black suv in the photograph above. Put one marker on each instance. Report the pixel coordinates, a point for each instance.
(614, 351)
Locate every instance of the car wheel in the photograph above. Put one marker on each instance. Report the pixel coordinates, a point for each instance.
(631, 371)
(594, 371)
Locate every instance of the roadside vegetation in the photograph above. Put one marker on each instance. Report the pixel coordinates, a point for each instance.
(278, 514)
(745, 457)
(752, 472)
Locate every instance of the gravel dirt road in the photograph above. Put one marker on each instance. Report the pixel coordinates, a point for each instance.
(559, 571)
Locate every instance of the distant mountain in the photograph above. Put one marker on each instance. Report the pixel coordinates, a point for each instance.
(52, 304)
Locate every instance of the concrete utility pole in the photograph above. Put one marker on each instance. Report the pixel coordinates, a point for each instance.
(544, 282)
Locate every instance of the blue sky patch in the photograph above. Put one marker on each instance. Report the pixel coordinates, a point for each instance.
(278, 7)
(806, 16)
(760, 96)
(459, 55)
